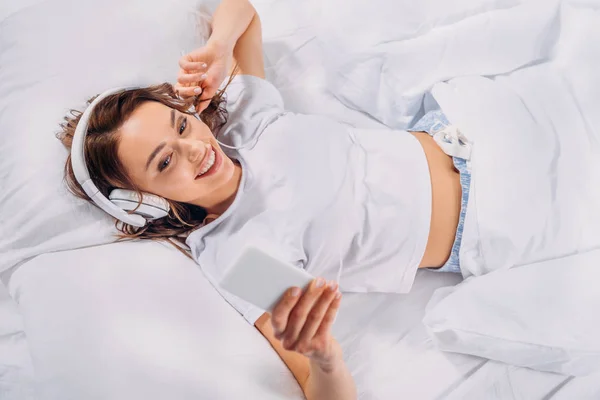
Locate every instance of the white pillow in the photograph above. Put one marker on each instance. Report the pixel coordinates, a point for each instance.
(16, 370)
(54, 56)
(138, 320)
(542, 316)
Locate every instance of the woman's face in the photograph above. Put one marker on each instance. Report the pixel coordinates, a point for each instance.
(175, 156)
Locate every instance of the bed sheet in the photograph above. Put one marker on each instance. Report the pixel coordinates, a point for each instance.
(16, 370)
(392, 357)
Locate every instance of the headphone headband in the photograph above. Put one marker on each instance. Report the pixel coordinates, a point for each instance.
(80, 168)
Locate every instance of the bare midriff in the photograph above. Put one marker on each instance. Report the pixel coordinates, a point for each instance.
(445, 203)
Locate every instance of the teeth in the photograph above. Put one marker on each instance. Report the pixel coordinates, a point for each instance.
(209, 163)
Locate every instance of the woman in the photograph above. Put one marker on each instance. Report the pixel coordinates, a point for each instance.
(360, 207)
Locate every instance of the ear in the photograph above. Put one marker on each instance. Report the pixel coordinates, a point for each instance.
(209, 218)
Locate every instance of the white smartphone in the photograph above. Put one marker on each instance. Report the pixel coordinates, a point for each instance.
(261, 279)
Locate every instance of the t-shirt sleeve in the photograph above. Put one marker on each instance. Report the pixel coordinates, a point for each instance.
(252, 104)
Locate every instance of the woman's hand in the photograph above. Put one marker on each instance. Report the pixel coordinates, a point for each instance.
(202, 71)
(302, 321)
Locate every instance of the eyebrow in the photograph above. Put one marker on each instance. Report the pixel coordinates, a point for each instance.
(163, 144)
(154, 153)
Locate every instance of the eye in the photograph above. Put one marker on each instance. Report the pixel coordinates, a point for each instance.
(183, 125)
(164, 163)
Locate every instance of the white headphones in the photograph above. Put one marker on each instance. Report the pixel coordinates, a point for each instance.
(121, 200)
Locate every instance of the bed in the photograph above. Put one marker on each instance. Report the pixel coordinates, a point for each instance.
(82, 317)
(386, 345)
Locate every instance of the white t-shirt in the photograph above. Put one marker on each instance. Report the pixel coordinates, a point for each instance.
(347, 204)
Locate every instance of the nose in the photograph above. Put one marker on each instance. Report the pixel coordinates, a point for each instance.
(194, 150)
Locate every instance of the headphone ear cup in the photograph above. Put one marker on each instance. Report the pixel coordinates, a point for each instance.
(152, 207)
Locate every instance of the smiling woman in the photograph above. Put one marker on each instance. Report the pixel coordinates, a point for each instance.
(174, 155)
(161, 148)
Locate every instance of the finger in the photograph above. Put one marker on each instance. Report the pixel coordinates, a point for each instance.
(202, 105)
(188, 64)
(315, 317)
(281, 312)
(188, 91)
(300, 312)
(181, 72)
(204, 100)
(185, 78)
(327, 322)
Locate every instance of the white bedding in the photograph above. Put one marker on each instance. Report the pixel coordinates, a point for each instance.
(16, 370)
(105, 312)
(306, 48)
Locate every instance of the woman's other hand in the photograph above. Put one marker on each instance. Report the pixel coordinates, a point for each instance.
(202, 71)
(302, 322)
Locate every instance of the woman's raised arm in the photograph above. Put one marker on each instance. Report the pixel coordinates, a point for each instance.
(235, 40)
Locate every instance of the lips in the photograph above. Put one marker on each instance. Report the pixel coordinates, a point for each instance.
(209, 164)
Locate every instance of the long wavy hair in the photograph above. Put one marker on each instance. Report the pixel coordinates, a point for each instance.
(106, 170)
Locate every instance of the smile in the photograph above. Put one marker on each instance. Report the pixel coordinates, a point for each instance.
(210, 164)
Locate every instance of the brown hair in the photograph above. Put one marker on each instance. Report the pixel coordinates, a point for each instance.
(106, 170)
